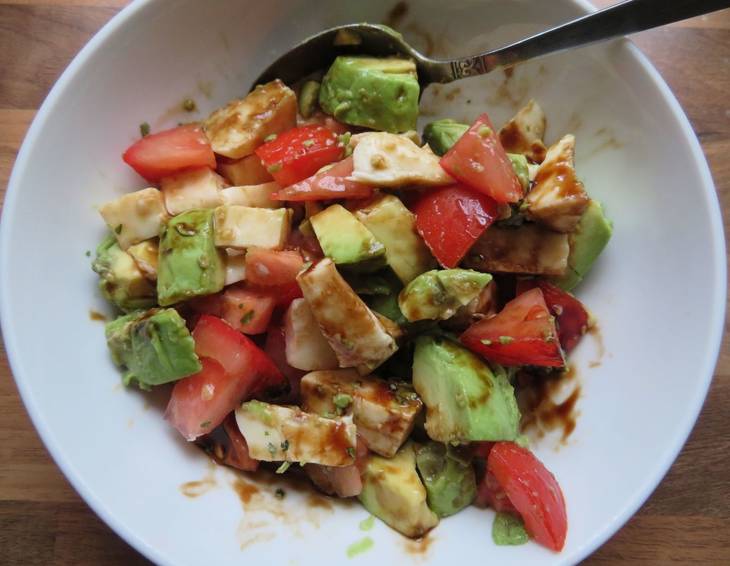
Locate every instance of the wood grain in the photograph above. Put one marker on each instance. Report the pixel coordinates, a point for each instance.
(42, 519)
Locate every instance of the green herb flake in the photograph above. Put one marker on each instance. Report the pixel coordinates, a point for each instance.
(350, 451)
(508, 530)
(248, 316)
(285, 445)
(283, 468)
(118, 229)
(272, 449)
(342, 400)
(88, 253)
(363, 545)
(367, 524)
(308, 143)
(205, 424)
(279, 493)
(269, 138)
(275, 168)
(144, 129)
(504, 340)
(484, 131)
(189, 105)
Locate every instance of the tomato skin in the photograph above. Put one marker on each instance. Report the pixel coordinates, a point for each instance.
(299, 153)
(238, 355)
(478, 160)
(248, 310)
(331, 184)
(272, 267)
(450, 219)
(285, 294)
(533, 491)
(522, 333)
(200, 402)
(571, 316)
(164, 153)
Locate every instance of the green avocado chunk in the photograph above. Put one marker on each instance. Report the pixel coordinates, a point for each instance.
(121, 281)
(438, 294)
(308, 97)
(393, 492)
(465, 399)
(449, 479)
(346, 240)
(442, 134)
(378, 93)
(153, 347)
(519, 166)
(509, 530)
(586, 244)
(189, 265)
(394, 225)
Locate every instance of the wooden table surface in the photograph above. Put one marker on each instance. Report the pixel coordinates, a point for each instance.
(44, 521)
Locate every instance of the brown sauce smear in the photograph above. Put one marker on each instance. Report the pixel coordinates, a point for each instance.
(420, 546)
(96, 315)
(245, 490)
(535, 396)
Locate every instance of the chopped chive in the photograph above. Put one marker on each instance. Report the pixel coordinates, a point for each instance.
(144, 129)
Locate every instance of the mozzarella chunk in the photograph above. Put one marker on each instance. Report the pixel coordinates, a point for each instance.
(242, 227)
(235, 266)
(528, 249)
(257, 196)
(245, 171)
(306, 348)
(390, 160)
(524, 133)
(357, 336)
(275, 433)
(145, 255)
(197, 188)
(237, 129)
(135, 217)
(383, 412)
(558, 199)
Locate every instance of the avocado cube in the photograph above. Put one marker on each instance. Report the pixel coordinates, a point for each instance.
(153, 347)
(586, 244)
(394, 225)
(189, 264)
(438, 294)
(242, 227)
(384, 412)
(309, 98)
(355, 333)
(529, 249)
(346, 240)
(377, 93)
(275, 433)
(521, 169)
(442, 134)
(120, 279)
(194, 188)
(393, 492)
(135, 217)
(465, 400)
(448, 477)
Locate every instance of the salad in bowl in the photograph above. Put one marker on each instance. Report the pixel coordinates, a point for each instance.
(328, 292)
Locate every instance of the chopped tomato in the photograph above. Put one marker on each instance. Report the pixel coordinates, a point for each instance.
(451, 219)
(272, 267)
(247, 309)
(570, 314)
(162, 154)
(478, 160)
(491, 494)
(237, 454)
(285, 294)
(307, 244)
(299, 153)
(243, 361)
(533, 491)
(522, 333)
(330, 184)
(275, 348)
(200, 402)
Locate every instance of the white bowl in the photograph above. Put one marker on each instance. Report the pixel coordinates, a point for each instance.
(658, 290)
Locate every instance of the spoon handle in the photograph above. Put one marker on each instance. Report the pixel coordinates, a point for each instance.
(621, 19)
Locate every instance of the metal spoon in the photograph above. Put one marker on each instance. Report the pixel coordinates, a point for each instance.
(318, 51)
